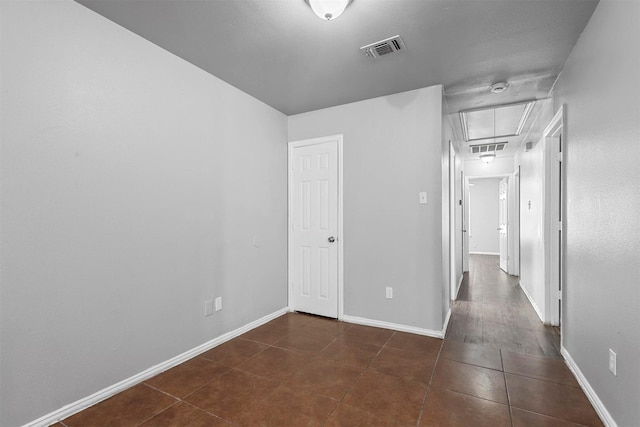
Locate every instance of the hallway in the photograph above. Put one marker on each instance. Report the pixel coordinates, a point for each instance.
(492, 310)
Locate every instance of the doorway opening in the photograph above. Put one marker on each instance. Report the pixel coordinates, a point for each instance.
(488, 210)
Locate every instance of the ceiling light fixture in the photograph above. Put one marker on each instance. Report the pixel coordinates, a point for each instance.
(328, 9)
(499, 87)
(487, 157)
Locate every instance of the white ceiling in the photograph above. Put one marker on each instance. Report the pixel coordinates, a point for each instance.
(281, 53)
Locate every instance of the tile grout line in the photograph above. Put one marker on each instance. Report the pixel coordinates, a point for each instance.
(231, 368)
(340, 402)
(207, 412)
(506, 388)
(426, 394)
(181, 399)
(177, 402)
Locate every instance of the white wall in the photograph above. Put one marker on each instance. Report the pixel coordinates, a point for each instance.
(601, 309)
(389, 239)
(532, 222)
(532, 181)
(133, 184)
(484, 215)
(499, 166)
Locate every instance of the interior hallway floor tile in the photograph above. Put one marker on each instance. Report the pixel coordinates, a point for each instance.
(302, 370)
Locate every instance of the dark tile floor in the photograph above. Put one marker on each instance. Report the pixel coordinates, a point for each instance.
(301, 370)
(492, 310)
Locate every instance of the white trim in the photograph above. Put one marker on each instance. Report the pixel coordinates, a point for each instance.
(556, 123)
(513, 223)
(552, 252)
(446, 323)
(598, 405)
(452, 223)
(474, 177)
(533, 303)
(455, 296)
(483, 253)
(107, 392)
(340, 238)
(466, 223)
(340, 231)
(393, 326)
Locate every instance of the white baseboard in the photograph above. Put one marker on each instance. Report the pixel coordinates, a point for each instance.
(107, 392)
(446, 323)
(393, 326)
(533, 303)
(484, 253)
(604, 415)
(455, 297)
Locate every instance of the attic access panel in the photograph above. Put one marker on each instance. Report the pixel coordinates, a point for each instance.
(495, 122)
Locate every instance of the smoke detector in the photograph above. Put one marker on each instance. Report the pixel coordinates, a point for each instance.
(499, 87)
(384, 47)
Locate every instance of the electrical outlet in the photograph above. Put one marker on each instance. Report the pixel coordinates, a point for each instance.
(613, 361)
(389, 292)
(218, 303)
(208, 308)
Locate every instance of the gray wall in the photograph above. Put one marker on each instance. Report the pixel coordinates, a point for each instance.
(133, 184)
(392, 151)
(600, 87)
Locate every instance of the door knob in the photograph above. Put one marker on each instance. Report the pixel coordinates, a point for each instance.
(331, 239)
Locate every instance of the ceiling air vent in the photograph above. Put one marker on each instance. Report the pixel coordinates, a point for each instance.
(487, 148)
(384, 47)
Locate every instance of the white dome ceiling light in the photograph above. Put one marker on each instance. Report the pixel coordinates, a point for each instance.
(488, 157)
(328, 9)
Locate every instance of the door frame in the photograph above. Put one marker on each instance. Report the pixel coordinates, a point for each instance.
(466, 224)
(463, 223)
(514, 224)
(467, 203)
(554, 200)
(339, 238)
(508, 220)
(453, 280)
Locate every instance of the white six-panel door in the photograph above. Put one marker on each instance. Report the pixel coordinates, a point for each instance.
(313, 222)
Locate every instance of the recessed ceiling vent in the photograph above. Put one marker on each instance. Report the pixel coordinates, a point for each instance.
(487, 148)
(384, 47)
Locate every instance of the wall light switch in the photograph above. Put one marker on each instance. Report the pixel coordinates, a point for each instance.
(389, 292)
(218, 303)
(423, 198)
